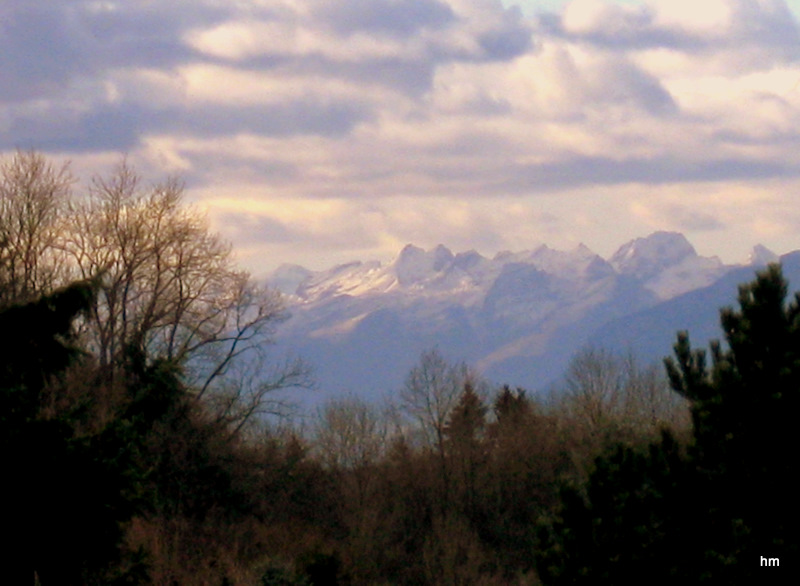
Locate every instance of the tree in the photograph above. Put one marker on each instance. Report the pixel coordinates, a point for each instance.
(171, 290)
(744, 409)
(67, 490)
(528, 457)
(466, 448)
(606, 393)
(710, 515)
(33, 195)
(351, 438)
(432, 390)
(431, 393)
(629, 524)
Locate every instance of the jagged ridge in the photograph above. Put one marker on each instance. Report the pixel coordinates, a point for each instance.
(518, 315)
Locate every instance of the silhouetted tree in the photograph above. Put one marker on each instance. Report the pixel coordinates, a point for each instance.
(710, 516)
(66, 493)
(744, 410)
(467, 449)
(628, 525)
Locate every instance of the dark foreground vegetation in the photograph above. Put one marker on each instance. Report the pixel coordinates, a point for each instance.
(136, 446)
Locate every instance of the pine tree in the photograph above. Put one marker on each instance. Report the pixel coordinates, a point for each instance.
(466, 448)
(744, 409)
(708, 516)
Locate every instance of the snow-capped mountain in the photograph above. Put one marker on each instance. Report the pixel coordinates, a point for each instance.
(518, 316)
(667, 264)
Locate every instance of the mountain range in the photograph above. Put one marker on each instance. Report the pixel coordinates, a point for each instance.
(517, 317)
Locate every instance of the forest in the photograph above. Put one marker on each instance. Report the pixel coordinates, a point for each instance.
(142, 442)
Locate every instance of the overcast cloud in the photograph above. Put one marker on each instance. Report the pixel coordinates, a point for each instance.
(319, 132)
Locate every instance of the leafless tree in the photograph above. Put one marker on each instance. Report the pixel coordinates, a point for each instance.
(350, 433)
(604, 390)
(171, 290)
(33, 197)
(431, 392)
(351, 436)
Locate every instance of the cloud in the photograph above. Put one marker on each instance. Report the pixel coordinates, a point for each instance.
(414, 117)
(30, 69)
(677, 216)
(580, 171)
(396, 18)
(712, 26)
(47, 45)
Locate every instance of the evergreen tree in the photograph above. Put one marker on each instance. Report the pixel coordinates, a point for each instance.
(466, 449)
(709, 516)
(628, 525)
(744, 409)
(68, 488)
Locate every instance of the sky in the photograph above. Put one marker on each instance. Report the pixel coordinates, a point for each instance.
(318, 132)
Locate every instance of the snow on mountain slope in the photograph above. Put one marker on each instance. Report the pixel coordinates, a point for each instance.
(667, 264)
(519, 315)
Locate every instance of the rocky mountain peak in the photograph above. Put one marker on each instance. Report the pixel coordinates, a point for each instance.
(414, 264)
(646, 257)
(761, 256)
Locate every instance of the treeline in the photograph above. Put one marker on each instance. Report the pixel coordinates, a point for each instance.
(141, 444)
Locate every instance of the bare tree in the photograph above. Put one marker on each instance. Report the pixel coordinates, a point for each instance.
(33, 197)
(605, 390)
(594, 387)
(170, 289)
(350, 433)
(351, 436)
(431, 392)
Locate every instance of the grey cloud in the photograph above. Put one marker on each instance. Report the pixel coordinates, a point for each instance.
(766, 25)
(406, 75)
(622, 82)
(510, 40)
(39, 52)
(624, 28)
(582, 171)
(411, 73)
(317, 117)
(578, 171)
(50, 47)
(401, 18)
(687, 219)
(120, 126)
(255, 229)
(45, 45)
(105, 127)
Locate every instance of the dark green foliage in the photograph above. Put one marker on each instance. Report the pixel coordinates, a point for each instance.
(511, 408)
(466, 450)
(36, 345)
(66, 493)
(744, 410)
(276, 577)
(628, 526)
(527, 458)
(709, 516)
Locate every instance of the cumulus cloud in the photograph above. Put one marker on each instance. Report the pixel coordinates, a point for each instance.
(393, 119)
